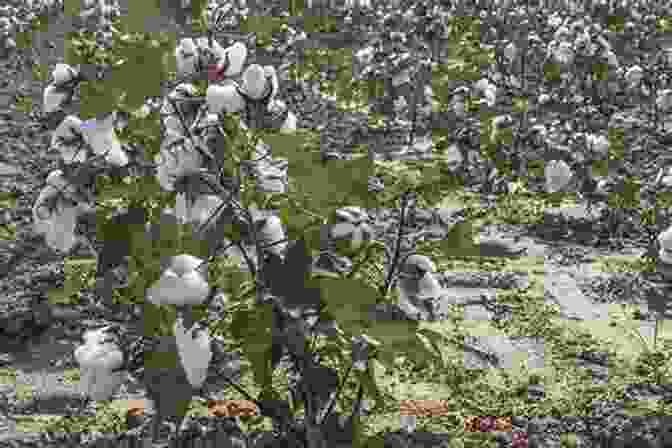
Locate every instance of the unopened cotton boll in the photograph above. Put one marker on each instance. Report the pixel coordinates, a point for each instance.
(194, 351)
(184, 282)
(558, 175)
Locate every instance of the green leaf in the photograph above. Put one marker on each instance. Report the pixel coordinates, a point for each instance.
(256, 340)
(349, 301)
(459, 240)
(368, 381)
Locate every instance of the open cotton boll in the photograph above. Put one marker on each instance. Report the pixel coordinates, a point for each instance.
(175, 160)
(184, 282)
(254, 81)
(598, 144)
(634, 75)
(96, 336)
(63, 73)
(102, 137)
(199, 211)
(204, 207)
(99, 383)
(272, 76)
(53, 99)
(236, 55)
(68, 130)
(400, 78)
(99, 355)
(665, 242)
(194, 351)
(224, 98)
(186, 57)
(60, 233)
(558, 175)
(290, 123)
(664, 100)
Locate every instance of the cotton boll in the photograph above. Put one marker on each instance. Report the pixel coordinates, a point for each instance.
(176, 159)
(665, 242)
(272, 75)
(60, 233)
(101, 384)
(558, 175)
(664, 100)
(194, 351)
(236, 54)
(53, 99)
(290, 124)
(68, 130)
(416, 284)
(254, 81)
(184, 282)
(186, 57)
(102, 137)
(224, 98)
(63, 73)
(634, 75)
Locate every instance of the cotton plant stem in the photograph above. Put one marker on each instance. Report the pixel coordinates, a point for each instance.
(397, 250)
